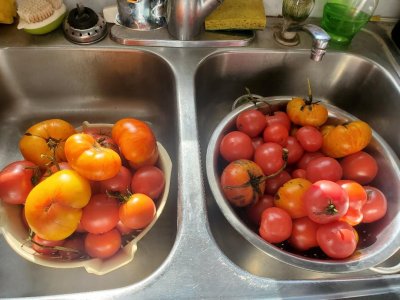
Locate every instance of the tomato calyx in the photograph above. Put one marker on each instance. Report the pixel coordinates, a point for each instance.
(309, 102)
(330, 210)
(53, 144)
(35, 179)
(254, 182)
(122, 197)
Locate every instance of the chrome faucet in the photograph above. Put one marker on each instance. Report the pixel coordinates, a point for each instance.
(185, 18)
(294, 13)
(319, 36)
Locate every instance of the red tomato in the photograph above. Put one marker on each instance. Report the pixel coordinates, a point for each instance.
(73, 248)
(55, 168)
(278, 117)
(360, 167)
(103, 245)
(251, 122)
(45, 247)
(273, 184)
(310, 138)
(269, 157)
(151, 161)
(236, 145)
(136, 141)
(138, 211)
(307, 157)
(325, 202)
(80, 228)
(304, 234)
(124, 230)
(23, 218)
(254, 211)
(240, 184)
(257, 141)
(295, 151)
(376, 205)
(357, 198)
(299, 173)
(276, 133)
(105, 141)
(148, 180)
(323, 168)
(16, 181)
(276, 225)
(290, 197)
(337, 239)
(101, 214)
(119, 183)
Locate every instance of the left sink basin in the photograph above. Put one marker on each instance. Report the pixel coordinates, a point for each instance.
(99, 86)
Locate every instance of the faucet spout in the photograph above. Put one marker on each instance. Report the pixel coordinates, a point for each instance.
(320, 41)
(186, 18)
(206, 7)
(289, 37)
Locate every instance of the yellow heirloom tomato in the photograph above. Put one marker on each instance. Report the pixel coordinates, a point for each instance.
(53, 208)
(93, 161)
(44, 142)
(346, 139)
(306, 112)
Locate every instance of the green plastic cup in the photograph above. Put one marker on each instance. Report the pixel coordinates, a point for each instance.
(342, 19)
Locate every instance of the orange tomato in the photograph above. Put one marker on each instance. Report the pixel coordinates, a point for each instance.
(136, 141)
(346, 139)
(290, 197)
(53, 208)
(305, 112)
(91, 160)
(44, 142)
(138, 211)
(357, 198)
(243, 182)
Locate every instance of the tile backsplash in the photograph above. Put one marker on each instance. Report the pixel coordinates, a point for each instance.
(386, 8)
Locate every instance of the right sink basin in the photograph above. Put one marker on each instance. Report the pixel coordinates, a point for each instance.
(353, 83)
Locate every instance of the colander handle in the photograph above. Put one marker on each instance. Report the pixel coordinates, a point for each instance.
(386, 270)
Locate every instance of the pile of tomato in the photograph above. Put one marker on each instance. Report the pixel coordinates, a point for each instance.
(84, 194)
(300, 180)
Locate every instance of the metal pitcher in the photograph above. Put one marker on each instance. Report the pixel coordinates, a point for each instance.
(141, 14)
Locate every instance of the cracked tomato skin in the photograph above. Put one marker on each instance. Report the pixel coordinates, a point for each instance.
(239, 182)
(45, 140)
(53, 208)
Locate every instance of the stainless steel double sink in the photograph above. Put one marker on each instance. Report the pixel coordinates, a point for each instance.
(192, 251)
